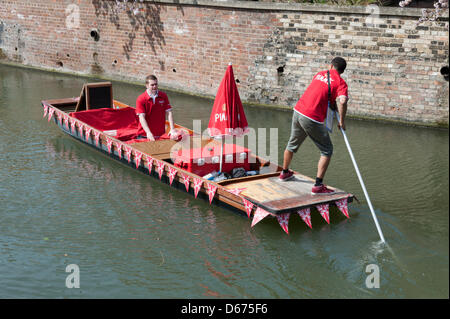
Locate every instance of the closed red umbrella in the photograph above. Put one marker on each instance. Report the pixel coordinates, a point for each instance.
(227, 116)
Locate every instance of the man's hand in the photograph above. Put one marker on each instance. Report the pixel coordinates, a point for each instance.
(173, 134)
(341, 125)
(150, 136)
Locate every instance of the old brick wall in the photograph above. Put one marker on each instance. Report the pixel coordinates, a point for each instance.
(393, 65)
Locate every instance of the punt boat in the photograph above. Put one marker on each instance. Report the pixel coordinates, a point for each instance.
(96, 119)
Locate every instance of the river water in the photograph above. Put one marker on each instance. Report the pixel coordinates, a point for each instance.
(131, 236)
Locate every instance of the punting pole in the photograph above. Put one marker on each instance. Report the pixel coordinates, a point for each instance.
(361, 182)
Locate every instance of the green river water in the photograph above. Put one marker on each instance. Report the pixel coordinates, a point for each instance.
(131, 236)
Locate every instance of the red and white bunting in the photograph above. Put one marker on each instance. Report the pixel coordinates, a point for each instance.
(137, 158)
(128, 150)
(66, 120)
(81, 129)
(172, 172)
(51, 110)
(259, 215)
(72, 124)
(149, 163)
(119, 148)
(324, 211)
(45, 110)
(342, 205)
(186, 181)
(305, 214)
(87, 132)
(248, 206)
(109, 144)
(60, 117)
(236, 191)
(160, 166)
(97, 136)
(211, 191)
(197, 185)
(283, 220)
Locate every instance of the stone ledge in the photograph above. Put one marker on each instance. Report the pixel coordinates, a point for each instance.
(299, 7)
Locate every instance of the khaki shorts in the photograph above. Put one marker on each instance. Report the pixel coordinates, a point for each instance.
(303, 127)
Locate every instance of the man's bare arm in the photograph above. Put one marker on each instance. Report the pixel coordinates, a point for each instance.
(342, 109)
(144, 124)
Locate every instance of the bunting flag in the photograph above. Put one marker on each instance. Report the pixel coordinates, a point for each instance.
(60, 117)
(160, 166)
(211, 191)
(66, 120)
(283, 220)
(50, 113)
(109, 144)
(197, 185)
(137, 158)
(128, 153)
(186, 181)
(248, 206)
(87, 132)
(81, 128)
(342, 205)
(259, 215)
(305, 214)
(172, 172)
(150, 163)
(324, 211)
(97, 137)
(72, 124)
(45, 110)
(236, 191)
(119, 148)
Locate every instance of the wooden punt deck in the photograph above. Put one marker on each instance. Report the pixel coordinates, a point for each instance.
(265, 190)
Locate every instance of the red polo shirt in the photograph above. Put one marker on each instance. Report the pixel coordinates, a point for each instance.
(155, 112)
(314, 101)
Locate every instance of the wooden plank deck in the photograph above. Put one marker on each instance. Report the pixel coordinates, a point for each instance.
(277, 196)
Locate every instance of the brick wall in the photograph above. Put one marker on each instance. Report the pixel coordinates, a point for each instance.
(393, 65)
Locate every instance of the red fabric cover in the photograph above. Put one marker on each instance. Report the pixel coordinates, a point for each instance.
(227, 116)
(187, 159)
(123, 120)
(314, 102)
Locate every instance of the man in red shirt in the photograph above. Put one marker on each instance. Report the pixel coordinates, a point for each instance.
(151, 108)
(309, 116)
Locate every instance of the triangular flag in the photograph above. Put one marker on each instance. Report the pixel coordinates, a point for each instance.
(172, 172)
(137, 158)
(72, 124)
(186, 181)
(119, 148)
(342, 205)
(109, 144)
(50, 113)
(60, 117)
(211, 191)
(197, 185)
(66, 120)
(305, 214)
(87, 132)
(81, 129)
(128, 150)
(248, 206)
(45, 110)
(97, 136)
(149, 163)
(259, 215)
(283, 220)
(324, 211)
(160, 165)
